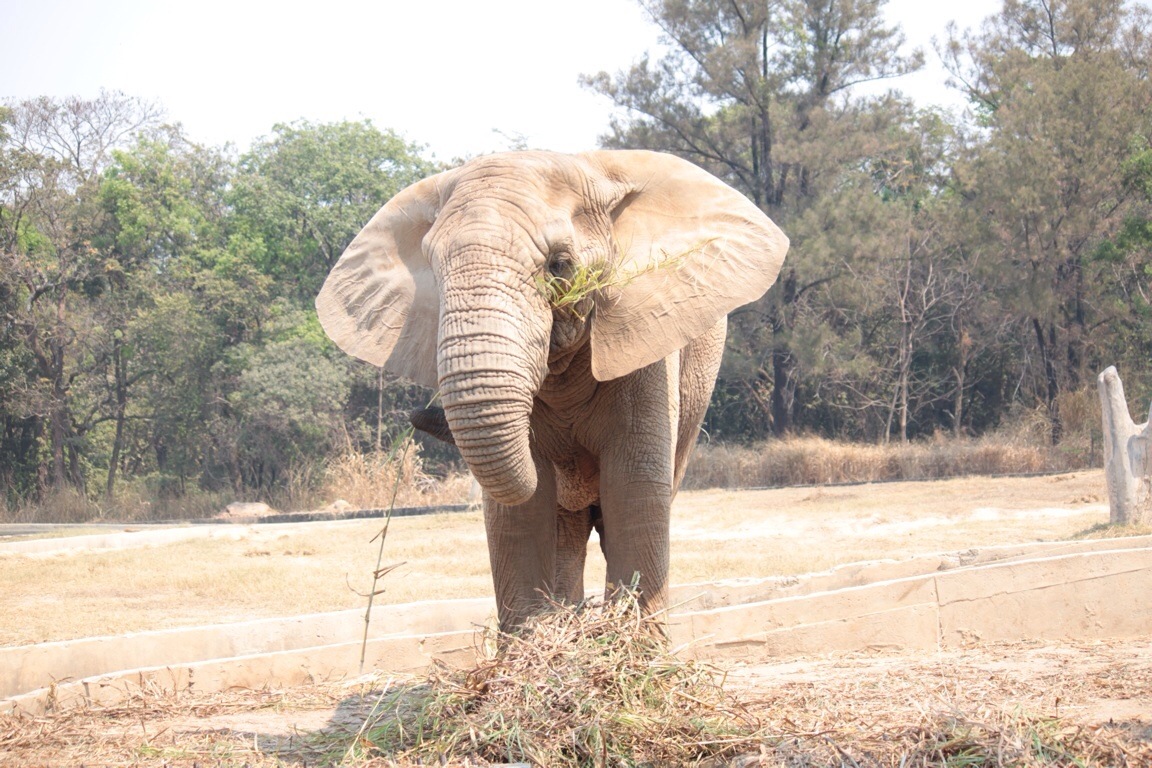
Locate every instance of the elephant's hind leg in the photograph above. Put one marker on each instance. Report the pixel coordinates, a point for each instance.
(572, 532)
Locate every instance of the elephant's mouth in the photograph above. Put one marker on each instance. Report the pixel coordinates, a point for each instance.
(569, 339)
(432, 421)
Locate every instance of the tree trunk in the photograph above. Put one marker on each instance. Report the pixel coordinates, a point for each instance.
(964, 346)
(58, 419)
(782, 388)
(57, 431)
(904, 407)
(1047, 348)
(119, 368)
(65, 465)
(783, 363)
(1127, 458)
(904, 371)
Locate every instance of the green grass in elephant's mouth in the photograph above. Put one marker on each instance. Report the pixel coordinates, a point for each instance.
(568, 291)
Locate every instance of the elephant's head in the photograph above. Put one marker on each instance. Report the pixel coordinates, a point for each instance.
(453, 283)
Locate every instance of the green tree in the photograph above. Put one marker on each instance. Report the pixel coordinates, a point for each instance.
(761, 95)
(299, 198)
(53, 154)
(156, 317)
(163, 199)
(288, 400)
(1124, 265)
(302, 194)
(1061, 91)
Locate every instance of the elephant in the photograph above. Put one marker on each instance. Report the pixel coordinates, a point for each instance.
(571, 311)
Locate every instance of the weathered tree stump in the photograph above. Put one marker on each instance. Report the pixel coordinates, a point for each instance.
(1127, 458)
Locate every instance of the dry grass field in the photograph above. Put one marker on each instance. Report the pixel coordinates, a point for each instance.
(238, 572)
(1020, 705)
(1010, 704)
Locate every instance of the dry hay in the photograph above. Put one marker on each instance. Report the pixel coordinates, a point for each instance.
(153, 726)
(597, 688)
(814, 460)
(1011, 704)
(366, 480)
(593, 685)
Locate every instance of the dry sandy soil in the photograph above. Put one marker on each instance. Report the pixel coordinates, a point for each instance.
(1092, 700)
(222, 573)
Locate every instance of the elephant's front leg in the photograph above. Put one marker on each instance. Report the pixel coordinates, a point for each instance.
(522, 551)
(636, 522)
(637, 484)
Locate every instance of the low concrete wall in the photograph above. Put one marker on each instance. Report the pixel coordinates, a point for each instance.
(27, 667)
(404, 654)
(1081, 595)
(1067, 591)
(743, 591)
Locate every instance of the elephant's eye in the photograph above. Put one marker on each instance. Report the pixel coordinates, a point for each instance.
(560, 265)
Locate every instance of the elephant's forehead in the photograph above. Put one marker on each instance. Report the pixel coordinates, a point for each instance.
(547, 179)
(550, 198)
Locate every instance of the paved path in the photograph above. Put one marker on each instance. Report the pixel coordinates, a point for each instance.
(60, 530)
(8, 530)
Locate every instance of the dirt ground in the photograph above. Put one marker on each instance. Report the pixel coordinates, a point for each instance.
(1077, 704)
(1092, 700)
(239, 572)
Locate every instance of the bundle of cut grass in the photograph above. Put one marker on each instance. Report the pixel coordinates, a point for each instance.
(588, 686)
(570, 289)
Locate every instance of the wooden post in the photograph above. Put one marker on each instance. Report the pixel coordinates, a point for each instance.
(1127, 458)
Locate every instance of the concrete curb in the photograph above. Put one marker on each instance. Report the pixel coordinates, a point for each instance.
(103, 542)
(1073, 596)
(402, 655)
(130, 535)
(1061, 591)
(28, 667)
(145, 526)
(146, 537)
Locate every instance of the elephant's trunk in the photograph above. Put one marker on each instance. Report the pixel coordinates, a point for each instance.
(493, 439)
(490, 366)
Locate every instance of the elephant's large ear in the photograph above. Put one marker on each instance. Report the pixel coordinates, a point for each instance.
(380, 302)
(692, 248)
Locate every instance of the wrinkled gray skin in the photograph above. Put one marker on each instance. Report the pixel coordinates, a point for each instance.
(569, 417)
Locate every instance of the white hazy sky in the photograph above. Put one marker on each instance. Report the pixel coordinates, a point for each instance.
(453, 75)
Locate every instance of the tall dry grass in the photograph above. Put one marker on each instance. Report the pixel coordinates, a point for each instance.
(816, 461)
(132, 503)
(63, 505)
(363, 480)
(1021, 445)
(368, 480)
